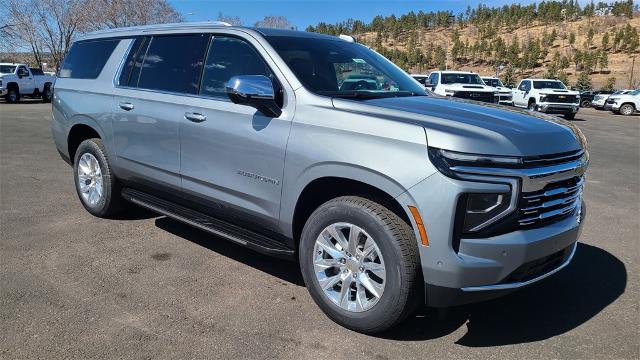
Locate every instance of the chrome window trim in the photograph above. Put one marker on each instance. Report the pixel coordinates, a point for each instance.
(115, 80)
(523, 283)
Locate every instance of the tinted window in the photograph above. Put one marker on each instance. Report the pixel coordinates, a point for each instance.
(543, 84)
(461, 78)
(36, 71)
(436, 79)
(87, 58)
(228, 57)
(421, 79)
(335, 67)
(131, 69)
(524, 86)
(174, 63)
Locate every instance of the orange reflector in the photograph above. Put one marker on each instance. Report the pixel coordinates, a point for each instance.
(423, 233)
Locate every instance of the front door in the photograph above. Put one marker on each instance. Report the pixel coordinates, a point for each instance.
(232, 156)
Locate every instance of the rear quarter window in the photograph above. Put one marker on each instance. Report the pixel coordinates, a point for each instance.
(87, 58)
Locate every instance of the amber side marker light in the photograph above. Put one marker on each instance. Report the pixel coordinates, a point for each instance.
(423, 233)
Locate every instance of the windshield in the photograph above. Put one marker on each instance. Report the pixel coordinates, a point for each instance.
(550, 84)
(7, 69)
(461, 78)
(493, 82)
(340, 68)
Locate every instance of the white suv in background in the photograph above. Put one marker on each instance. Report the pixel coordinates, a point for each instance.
(624, 104)
(547, 95)
(461, 84)
(505, 97)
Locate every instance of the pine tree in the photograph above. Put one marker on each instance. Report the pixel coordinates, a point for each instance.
(584, 81)
(603, 60)
(605, 40)
(572, 38)
(509, 77)
(610, 85)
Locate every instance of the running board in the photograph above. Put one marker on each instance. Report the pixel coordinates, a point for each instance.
(234, 233)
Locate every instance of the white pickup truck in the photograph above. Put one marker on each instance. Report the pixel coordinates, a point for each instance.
(627, 103)
(18, 80)
(548, 96)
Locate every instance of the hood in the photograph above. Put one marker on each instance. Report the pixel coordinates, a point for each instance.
(474, 127)
(468, 87)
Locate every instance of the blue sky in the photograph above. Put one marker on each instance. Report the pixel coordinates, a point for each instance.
(310, 12)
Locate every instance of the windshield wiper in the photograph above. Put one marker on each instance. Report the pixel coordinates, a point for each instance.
(365, 94)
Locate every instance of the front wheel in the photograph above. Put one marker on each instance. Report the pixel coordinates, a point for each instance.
(627, 109)
(585, 103)
(360, 263)
(13, 95)
(532, 106)
(570, 116)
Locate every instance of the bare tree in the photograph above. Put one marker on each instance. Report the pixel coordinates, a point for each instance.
(50, 26)
(276, 22)
(233, 20)
(122, 13)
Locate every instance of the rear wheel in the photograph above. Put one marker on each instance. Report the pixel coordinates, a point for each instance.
(585, 103)
(47, 93)
(627, 109)
(360, 263)
(97, 187)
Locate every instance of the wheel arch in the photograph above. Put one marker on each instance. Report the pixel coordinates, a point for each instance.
(79, 132)
(320, 189)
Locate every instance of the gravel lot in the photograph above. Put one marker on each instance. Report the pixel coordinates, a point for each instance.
(75, 286)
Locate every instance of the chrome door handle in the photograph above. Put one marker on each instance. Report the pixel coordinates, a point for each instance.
(126, 106)
(195, 117)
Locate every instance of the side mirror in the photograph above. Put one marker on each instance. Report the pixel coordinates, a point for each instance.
(254, 90)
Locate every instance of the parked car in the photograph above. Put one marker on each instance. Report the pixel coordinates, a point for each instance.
(18, 80)
(547, 95)
(625, 104)
(385, 197)
(505, 97)
(600, 101)
(587, 97)
(421, 78)
(461, 84)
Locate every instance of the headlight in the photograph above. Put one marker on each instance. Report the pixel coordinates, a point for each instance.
(443, 160)
(478, 210)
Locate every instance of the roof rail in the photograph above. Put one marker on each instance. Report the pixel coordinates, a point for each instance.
(145, 28)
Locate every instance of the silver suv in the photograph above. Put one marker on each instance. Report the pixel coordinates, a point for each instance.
(314, 147)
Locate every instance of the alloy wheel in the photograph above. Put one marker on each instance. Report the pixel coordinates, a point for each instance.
(90, 179)
(349, 267)
(626, 110)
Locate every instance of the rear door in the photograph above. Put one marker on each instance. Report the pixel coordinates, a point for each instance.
(232, 156)
(158, 81)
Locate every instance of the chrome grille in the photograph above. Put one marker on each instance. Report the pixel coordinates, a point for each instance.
(555, 201)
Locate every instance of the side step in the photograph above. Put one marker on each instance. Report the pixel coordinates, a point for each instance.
(250, 239)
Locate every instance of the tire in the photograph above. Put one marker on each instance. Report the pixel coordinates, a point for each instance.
(532, 106)
(569, 116)
(13, 95)
(47, 93)
(395, 243)
(585, 103)
(108, 201)
(627, 109)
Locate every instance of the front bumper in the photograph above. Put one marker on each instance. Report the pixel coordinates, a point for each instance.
(481, 268)
(558, 108)
(612, 107)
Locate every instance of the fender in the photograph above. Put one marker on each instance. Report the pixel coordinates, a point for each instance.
(291, 193)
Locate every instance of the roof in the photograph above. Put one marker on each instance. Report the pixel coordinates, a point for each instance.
(202, 25)
(455, 72)
(543, 79)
